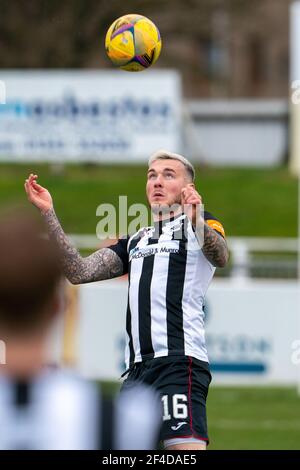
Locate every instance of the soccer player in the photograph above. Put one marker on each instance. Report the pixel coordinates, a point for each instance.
(42, 408)
(169, 266)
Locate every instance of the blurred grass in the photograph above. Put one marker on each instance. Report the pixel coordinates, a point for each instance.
(253, 418)
(249, 202)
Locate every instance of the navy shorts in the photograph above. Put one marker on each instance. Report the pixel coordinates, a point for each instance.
(182, 382)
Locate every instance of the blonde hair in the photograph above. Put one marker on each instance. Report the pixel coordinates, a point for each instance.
(165, 155)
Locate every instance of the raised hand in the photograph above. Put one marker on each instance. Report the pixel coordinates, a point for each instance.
(37, 195)
(191, 201)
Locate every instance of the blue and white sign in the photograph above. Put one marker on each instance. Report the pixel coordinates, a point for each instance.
(89, 116)
(250, 331)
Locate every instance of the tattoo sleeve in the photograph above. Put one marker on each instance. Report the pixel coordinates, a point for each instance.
(215, 247)
(103, 264)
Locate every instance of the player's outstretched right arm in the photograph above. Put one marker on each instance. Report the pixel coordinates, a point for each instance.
(103, 264)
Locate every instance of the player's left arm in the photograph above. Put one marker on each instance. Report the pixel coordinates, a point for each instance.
(211, 232)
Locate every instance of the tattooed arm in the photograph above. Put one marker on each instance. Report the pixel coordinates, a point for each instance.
(103, 264)
(215, 247)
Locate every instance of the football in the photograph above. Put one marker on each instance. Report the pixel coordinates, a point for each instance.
(133, 43)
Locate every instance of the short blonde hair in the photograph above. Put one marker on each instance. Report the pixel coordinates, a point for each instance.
(165, 155)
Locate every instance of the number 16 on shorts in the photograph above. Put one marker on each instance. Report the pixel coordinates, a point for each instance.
(174, 406)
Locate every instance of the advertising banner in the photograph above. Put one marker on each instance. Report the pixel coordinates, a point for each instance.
(92, 116)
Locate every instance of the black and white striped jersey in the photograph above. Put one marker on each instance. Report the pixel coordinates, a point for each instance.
(168, 278)
(58, 411)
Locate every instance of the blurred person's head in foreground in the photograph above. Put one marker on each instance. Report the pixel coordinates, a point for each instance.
(30, 291)
(62, 411)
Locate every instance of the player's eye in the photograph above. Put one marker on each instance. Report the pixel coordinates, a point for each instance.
(151, 176)
(169, 175)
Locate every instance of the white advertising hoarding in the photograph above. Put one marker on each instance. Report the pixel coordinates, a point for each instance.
(251, 331)
(89, 115)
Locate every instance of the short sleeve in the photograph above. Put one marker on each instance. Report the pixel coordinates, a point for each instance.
(120, 248)
(214, 223)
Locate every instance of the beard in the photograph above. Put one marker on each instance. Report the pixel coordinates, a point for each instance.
(166, 209)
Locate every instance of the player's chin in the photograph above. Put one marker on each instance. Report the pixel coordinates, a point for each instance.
(160, 208)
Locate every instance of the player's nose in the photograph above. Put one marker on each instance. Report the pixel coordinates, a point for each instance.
(158, 181)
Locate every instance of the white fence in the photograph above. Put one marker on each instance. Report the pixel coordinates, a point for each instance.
(241, 249)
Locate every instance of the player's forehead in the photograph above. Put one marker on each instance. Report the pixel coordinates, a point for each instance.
(166, 164)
